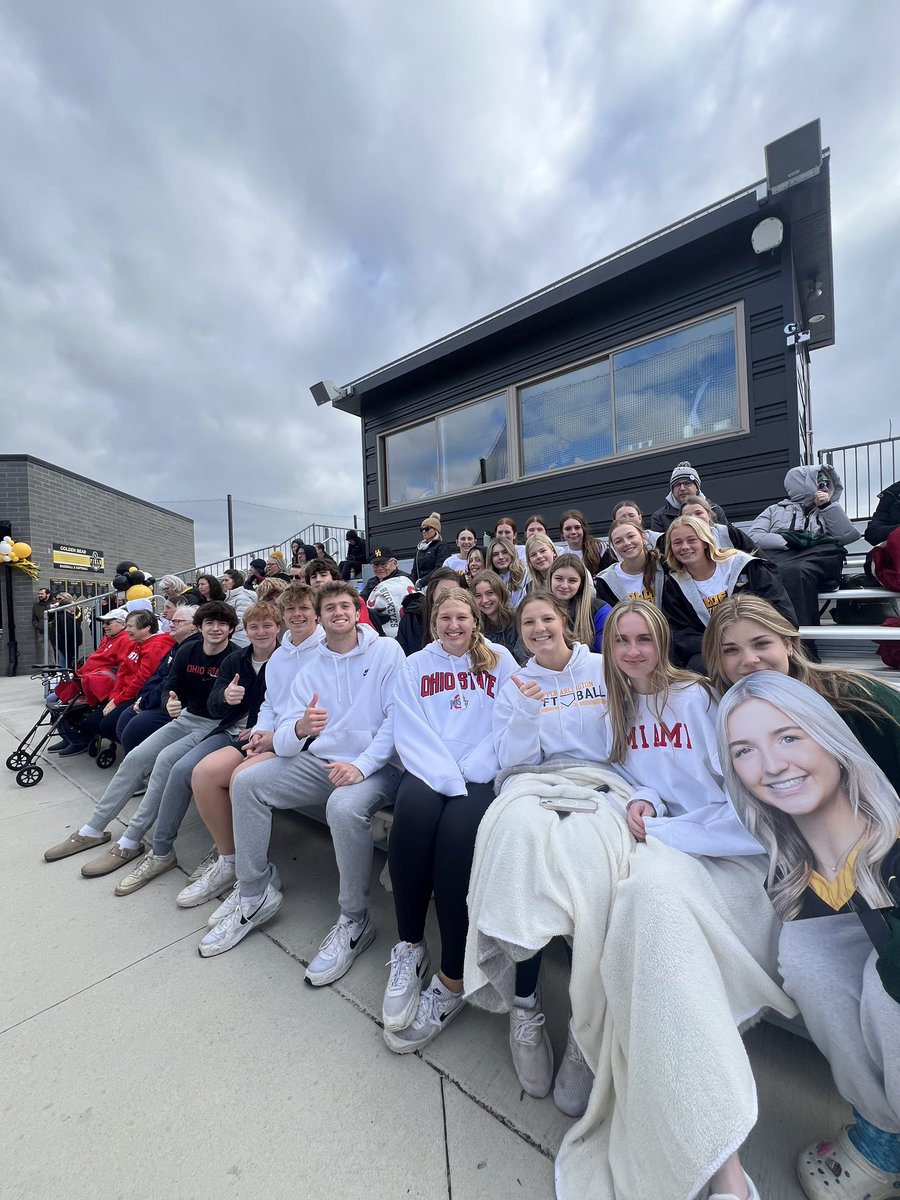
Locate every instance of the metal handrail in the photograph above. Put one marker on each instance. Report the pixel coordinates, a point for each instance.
(866, 469)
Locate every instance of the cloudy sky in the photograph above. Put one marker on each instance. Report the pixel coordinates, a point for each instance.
(208, 206)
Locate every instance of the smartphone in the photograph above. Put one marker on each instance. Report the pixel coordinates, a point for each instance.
(570, 806)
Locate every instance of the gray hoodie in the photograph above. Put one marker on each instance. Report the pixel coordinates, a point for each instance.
(798, 511)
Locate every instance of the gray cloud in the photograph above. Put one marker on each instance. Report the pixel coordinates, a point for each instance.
(207, 207)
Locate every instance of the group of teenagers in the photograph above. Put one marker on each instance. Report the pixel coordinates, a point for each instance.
(682, 829)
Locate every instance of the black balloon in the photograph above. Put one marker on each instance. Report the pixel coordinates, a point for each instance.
(120, 583)
(123, 567)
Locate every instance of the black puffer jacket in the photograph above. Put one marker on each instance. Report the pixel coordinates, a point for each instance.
(886, 517)
(429, 556)
(254, 685)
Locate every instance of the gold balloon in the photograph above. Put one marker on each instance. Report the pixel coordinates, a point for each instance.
(139, 591)
(21, 550)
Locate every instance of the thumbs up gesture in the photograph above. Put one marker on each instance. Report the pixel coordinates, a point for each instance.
(234, 693)
(530, 688)
(173, 706)
(313, 721)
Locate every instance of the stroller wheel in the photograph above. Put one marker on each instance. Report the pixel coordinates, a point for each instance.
(106, 758)
(94, 748)
(29, 776)
(18, 759)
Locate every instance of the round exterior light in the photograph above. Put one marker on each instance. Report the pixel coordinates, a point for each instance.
(768, 235)
(815, 318)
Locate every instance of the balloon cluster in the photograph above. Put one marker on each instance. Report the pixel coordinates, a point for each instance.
(134, 582)
(18, 555)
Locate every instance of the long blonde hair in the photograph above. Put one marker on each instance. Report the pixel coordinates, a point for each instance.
(706, 536)
(482, 657)
(516, 570)
(580, 609)
(621, 699)
(539, 580)
(848, 691)
(868, 791)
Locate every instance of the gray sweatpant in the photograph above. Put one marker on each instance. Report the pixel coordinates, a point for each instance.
(177, 793)
(149, 763)
(302, 782)
(828, 967)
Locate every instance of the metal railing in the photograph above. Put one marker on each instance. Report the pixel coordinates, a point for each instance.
(72, 631)
(331, 536)
(865, 468)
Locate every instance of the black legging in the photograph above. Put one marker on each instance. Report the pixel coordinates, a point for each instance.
(430, 850)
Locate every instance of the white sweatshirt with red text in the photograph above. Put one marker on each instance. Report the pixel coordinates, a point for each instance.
(443, 717)
(673, 763)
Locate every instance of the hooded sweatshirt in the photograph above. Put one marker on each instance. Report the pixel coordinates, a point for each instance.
(673, 763)
(357, 690)
(567, 722)
(798, 511)
(280, 671)
(443, 717)
(141, 661)
(663, 517)
(387, 598)
(240, 599)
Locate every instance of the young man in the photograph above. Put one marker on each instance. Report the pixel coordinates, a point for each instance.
(334, 744)
(390, 591)
(38, 609)
(684, 485)
(194, 670)
(236, 697)
(217, 873)
(319, 572)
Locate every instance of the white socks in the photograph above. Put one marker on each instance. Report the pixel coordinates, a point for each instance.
(90, 831)
(128, 843)
(525, 1001)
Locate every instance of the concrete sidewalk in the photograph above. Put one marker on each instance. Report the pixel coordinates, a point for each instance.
(133, 1066)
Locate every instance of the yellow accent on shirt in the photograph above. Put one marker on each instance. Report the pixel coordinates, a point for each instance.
(836, 892)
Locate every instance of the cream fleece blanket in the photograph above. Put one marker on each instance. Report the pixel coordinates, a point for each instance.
(667, 962)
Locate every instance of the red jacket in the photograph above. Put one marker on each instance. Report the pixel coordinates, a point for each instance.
(139, 664)
(109, 654)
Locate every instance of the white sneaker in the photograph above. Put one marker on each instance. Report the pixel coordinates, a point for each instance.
(343, 943)
(227, 906)
(532, 1053)
(235, 927)
(148, 868)
(436, 1009)
(410, 966)
(215, 880)
(204, 864)
(574, 1081)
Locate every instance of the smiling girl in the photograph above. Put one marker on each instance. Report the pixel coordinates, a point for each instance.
(579, 541)
(495, 615)
(502, 558)
(568, 581)
(465, 540)
(553, 708)
(702, 576)
(540, 553)
(637, 574)
(442, 724)
(746, 634)
(830, 822)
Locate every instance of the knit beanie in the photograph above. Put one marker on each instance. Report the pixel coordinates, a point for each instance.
(684, 470)
(434, 519)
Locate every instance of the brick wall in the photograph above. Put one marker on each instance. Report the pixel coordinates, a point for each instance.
(46, 504)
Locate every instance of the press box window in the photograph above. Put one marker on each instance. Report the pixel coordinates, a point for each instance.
(460, 450)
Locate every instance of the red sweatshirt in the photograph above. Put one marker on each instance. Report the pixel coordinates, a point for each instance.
(139, 664)
(109, 654)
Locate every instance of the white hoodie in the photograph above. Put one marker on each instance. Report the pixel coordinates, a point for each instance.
(673, 763)
(442, 718)
(280, 671)
(569, 721)
(357, 689)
